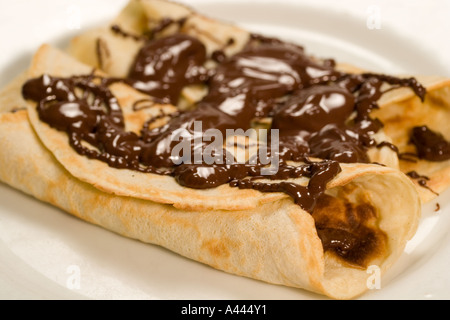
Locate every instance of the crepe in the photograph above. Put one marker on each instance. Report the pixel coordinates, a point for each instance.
(98, 47)
(261, 235)
(129, 182)
(400, 112)
(276, 242)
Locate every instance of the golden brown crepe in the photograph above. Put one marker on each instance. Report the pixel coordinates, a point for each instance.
(129, 182)
(270, 238)
(400, 111)
(265, 236)
(98, 48)
(275, 242)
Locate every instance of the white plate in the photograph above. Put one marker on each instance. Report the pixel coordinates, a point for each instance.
(44, 252)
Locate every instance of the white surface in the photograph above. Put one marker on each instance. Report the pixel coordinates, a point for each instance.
(42, 248)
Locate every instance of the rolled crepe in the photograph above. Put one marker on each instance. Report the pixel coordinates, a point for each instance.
(113, 47)
(264, 236)
(146, 186)
(400, 110)
(277, 242)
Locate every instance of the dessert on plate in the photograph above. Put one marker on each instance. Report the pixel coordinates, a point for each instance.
(231, 148)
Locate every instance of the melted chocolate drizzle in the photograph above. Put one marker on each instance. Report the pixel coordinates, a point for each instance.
(165, 66)
(421, 180)
(430, 145)
(319, 112)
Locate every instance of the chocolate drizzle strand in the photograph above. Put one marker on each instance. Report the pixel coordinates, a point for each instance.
(317, 111)
(421, 180)
(430, 145)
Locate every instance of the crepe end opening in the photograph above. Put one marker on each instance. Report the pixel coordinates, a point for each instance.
(347, 223)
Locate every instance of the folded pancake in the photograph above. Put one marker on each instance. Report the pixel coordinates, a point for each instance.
(143, 19)
(114, 47)
(421, 132)
(99, 145)
(127, 34)
(276, 242)
(145, 185)
(354, 223)
(159, 188)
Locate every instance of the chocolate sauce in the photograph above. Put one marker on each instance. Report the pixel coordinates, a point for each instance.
(320, 173)
(391, 146)
(405, 156)
(219, 55)
(165, 66)
(151, 34)
(430, 145)
(119, 31)
(349, 232)
(87, 111)
(318, 112)
(421, 180)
